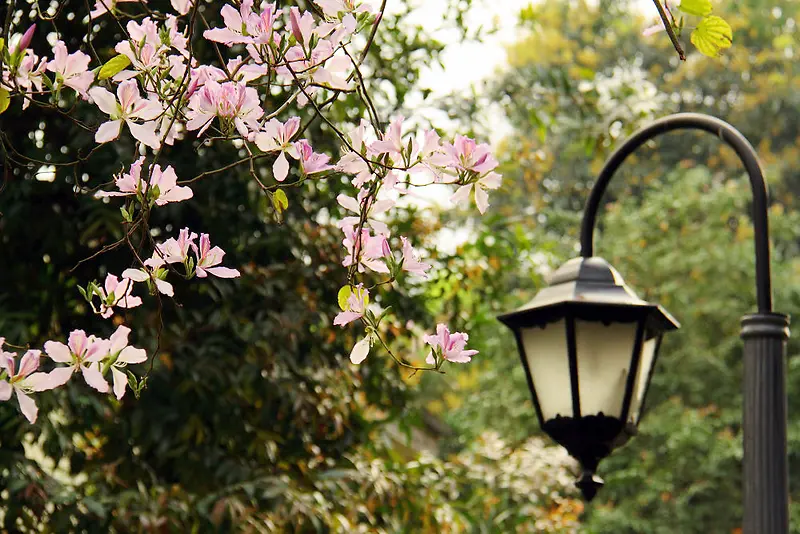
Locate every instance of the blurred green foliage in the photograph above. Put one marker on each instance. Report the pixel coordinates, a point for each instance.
(677, 228)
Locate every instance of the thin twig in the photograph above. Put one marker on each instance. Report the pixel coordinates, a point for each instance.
(670, 31)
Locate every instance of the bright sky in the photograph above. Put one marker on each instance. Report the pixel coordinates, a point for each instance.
(470, 62)
(466, 63)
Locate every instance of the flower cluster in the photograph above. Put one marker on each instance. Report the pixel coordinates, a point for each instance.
(90, 356)
(156, 93)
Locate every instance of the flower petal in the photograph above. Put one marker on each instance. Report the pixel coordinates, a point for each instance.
(281, 167)
(176, 194)
(165, 288)
(94, 377)
(120, 382)
(27, 406)
(29, 362)
(104, 100)
(345, 317)
(119, 339)
(55, 378)
(349, 203)
(481, 199)
(146, 133)
(360, 351)
(132, 355)
(108, 131)
(461, 194)
(58, 352)
(136, 275)
(223, 272)
(5, 391)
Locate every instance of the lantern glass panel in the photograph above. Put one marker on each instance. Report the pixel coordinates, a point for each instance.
(548, 362)
(640, 387)
(604, 360)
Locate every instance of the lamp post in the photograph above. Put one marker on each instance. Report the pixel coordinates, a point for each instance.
(589, 347)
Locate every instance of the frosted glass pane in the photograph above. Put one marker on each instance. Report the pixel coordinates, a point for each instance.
(604, 358)
(546, 350)
(646, 363)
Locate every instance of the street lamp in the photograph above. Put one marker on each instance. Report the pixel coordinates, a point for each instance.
(589, 346)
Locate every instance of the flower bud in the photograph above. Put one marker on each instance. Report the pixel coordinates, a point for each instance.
(26, 39)
(294, 19)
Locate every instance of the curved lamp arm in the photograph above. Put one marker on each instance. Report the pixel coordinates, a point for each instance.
(766, 476)
(746, 153)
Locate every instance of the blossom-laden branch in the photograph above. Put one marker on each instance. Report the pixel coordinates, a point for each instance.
(157, 92)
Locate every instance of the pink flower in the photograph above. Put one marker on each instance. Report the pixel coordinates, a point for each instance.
(319, 66)
(22, 381)
(139, 275)
(101, 7)
(392, 141)
(117, 293)
(173, 250)
(491, 180)
(82, 353)
(448, 346)
(465, 155)
(310, 161)
(129, 108)
(167, 183)
(424, 154)
(121, 355)
(71, 70)
(244, 26)
(29, 74)
(230, 101)
(364, 250)
(163, 188)
(353, 162)
(235, 26)
(356, 306)
(144, 47)
(411, 262)
(375, 208)
(277, 136)
(208, 258)
(129, 183)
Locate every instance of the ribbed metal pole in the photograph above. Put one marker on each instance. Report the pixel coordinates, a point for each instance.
(766, 475)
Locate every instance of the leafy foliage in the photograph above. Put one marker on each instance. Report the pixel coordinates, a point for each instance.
(676, 227)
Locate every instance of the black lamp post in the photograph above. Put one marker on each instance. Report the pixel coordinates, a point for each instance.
(589, 346)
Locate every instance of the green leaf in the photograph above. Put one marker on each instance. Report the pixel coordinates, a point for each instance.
(712, 35)
(280, 201)
(5, 100)
(113, 66)
(698, 8)
(344, 294)
(153, 193)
